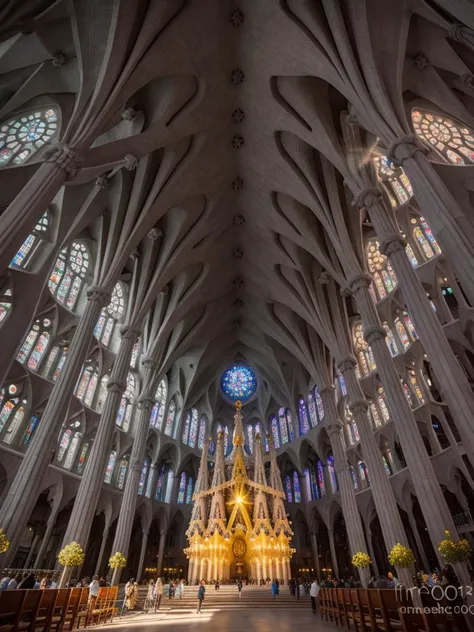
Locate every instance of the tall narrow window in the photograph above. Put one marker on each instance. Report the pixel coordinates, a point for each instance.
(402, 334)
(124, 414)
(66, 441)
(160, 484)
(193, 428)
(296, 487)
(250, 438)
(289, 491)
(15, 423)
(170, 418)
(35, 344)
(313, 414)
(321, 485)
(182, 488)
(202, 433)
(5, 300)
(55, 362)
(394, 178)
(69, 273)
(81, 463)
(23, 135)
(25, 255)
(143, 477)
(158, 410)
(187, 423)
(332, 474)
(87, 384)
(109, 315)
(291, 428)
(169, 486)
(363, 352)
(71, 453)
(382, 402)
(390, 340)
(303, 416)
(451, 140)
(189, 491)
(110, 467)
(363, 473)
(420, 400)
(30, 429)
(382, 273)
(275, 432)
(122, 473)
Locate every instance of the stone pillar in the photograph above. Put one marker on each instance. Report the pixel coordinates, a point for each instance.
(355, 529)
(215, 569)
(190, 570)
(288, 566)
(85, 504)
(47, 535)
(201, 569)
(453, 384)
(314, 546)
(284, 567)
(419, 543)
(23, 493)
(31, 551)
(142, 554)
(129, 500)
(277, 569)
(372, 553)
(446, 218)
(382, 492)
(332, 548)
(427, 489)
(161, 553)
(259, 571)
(105, 535)
(221, 570)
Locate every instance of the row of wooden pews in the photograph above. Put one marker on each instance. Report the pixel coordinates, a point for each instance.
(385, 610)
(55, 610)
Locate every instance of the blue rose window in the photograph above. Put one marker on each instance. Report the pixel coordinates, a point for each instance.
(239, 382)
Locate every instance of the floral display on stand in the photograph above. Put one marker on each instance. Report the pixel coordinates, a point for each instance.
(4, 542)
(454, 552)
(71, 555)
(401, 556)
(117, 561)
(361, 560)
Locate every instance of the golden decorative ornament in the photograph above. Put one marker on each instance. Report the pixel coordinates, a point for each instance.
(4, 542)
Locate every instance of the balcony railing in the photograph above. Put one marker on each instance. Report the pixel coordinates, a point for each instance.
(463, 519)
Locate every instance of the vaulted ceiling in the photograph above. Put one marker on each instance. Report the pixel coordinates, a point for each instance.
(235, 113)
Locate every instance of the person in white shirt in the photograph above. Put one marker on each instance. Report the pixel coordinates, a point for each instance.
(13, 583)
(93, 591)
(313, 593)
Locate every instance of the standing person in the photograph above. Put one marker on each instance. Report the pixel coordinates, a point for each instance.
(239, 587)
(298, 588)
(200, 595)
(158, 593)
(150, 596)
(313, 593)
(93, 592)
(28, 582)
(275, 588)
(181, 589)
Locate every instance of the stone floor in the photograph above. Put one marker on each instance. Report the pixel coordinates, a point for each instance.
(215, 620)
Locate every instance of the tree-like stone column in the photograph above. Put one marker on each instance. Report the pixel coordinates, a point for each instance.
(431, 499)
(355, 530)
(161, 553)
(127, 511)
(382, 492)
(314, 546)
(142, 553)
(453, 383)
(446, 219)
(23, 493)
(85, 504)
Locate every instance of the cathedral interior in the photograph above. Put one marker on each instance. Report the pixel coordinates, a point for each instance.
(221, 201)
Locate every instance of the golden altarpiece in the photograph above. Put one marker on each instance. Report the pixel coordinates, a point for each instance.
(239, 526)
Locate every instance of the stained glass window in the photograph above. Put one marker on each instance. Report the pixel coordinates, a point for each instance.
(35, 344)
(307, 482)
(296, 487)
(283, 426)
(354, 478)
(14, 424)
(332, 474)
(411, 255)
(124, 414)
(319, 402)
(364, 354)
(82, 458)
(313, 415)
(291, 428)
(386, 466)
(390, 340)
(158, 410)
(5, 300)
(239, 382)
(6, 411)
(189, 491)
(30, 429)
(193, 428)
(415, 386)
(122, 473)
(69, 272)
(451, 140)
(409, 326)
(275, 432)
(134, 357)
(110, 467)
(250, 438)
(102, 394)
(303, 416)
(22, 136)
(64, 444)
(187, 422)
(170, 418)
(321, 485)
(397, 184)
(182, 488)
(202, 432)
(266, 444)
(364, 477)
(289, 491)
(382, 273)
(406, 390)
(87, 384)
(160, 483)
(402, 334)
(143, 475)
(113, 312)
(315, 493)
(27, 250)
(383, 404)
(71, 453)
(212, 448)
(342, 384)
(169, 486)
(374, 413)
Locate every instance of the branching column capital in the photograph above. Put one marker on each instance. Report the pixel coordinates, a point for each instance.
(116, 386)
(347, 364)
(392, 243)
(99, 294)
(404, 148)
(359, 406)
(65, 159)
(358, 282)
(368, 197)
(372, 334)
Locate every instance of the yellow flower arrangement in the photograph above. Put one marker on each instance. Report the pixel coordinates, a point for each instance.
(454, 552)
(361, 560)
(117, 561)
(401, 556)
(4, 542)
(71, 555)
